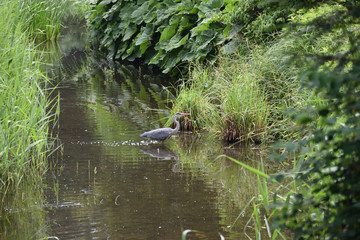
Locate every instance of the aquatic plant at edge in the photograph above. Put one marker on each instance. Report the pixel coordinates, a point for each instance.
(25, 109)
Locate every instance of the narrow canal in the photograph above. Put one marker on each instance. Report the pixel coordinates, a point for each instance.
(105, 182)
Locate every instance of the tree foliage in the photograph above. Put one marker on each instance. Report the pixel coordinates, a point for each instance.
(330, 209)
(171, 32)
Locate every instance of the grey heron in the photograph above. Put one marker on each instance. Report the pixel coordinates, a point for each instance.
(162, 134)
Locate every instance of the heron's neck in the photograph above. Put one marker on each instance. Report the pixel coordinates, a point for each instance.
(177, 127)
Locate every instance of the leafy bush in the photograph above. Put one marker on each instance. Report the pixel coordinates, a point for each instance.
(329, 209)
(171, 32)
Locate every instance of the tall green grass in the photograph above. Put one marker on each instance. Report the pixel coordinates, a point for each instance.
(242, 97)
(233, 97)
(198, 97)
(244, 107)
(264, 206)
(42, 19)
(25, 108)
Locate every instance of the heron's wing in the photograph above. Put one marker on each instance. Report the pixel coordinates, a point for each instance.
(159, 134)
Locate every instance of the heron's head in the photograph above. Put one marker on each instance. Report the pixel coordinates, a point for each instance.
(181, 114)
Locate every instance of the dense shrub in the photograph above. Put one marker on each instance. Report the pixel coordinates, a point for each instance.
(330, 208)
(170, 32)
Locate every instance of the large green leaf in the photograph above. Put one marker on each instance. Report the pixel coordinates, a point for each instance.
(204, 39)
(210, 8)
(144, 46)
(158, 30)
(106, 41)
(145, 34)
(106, 2)
(126, 11)
(130, 30)
(204, 25)
(150, 16)
(138, 14)
(186, 7)
(122, 27)
(168, 32)
(121, 49)
(157, 58)
(129, 51)
(136, 53)
(213, 4)
(171, 60)
(186, 22)
(175, 42)
(187, 55)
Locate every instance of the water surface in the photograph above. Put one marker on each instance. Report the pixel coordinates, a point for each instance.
(108, 183)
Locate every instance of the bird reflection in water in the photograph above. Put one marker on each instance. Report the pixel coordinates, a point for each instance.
(162, 152)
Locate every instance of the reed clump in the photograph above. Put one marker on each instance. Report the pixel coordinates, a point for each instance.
(25, 110)
(197, 97)
(241, 96)
(244, 109)
(42, 19)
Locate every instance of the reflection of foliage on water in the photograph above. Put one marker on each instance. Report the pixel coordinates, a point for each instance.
(119, 98)
(23, 213)
(118, 102)
(114, 89)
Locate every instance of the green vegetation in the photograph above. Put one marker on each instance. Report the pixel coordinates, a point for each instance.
(170, 33)
(248, 61)
(26, 110)
(242, 97)
(318, 198)
(41, 19)
(225, 99)
(330, 207)
(25, 217)
(271, 56)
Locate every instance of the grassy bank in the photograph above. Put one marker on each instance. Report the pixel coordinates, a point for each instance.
(318, 198)
(246, 96)
(40, 19)
(242, 97)
(25, 110)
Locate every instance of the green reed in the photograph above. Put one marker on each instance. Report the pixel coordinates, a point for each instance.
(225, 99)
(245, 110)
(42, 19)
(25, 108)
(197, 97)
(263, 208)
(268, 203)
(243, 96)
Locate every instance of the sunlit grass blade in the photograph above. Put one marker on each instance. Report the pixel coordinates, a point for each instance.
(242, 211)
(268, 229)
(257, 224)
(260, 173)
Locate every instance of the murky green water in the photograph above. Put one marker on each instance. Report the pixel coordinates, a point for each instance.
(107, 183)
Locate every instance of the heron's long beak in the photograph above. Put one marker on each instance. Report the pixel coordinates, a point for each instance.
(185, 114)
